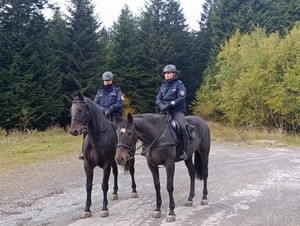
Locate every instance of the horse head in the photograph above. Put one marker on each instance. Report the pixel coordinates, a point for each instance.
(80, 114)
(126, 140)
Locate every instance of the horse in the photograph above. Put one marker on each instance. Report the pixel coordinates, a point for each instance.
(99, 148)
(160, 148)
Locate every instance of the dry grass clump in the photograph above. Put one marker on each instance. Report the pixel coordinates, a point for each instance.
(225, 133)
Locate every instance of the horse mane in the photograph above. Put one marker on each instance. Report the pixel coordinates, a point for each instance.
(93, 105)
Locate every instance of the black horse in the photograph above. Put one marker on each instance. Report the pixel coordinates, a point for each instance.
(160, 148)
(99, 148)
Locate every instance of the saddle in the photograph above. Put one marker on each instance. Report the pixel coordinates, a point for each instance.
(175, 129)
(174, 126)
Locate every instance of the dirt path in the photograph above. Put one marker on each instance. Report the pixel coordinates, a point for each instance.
(247, 186)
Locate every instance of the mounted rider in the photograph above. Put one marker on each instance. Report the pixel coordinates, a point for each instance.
(110, 100)
(171, 98)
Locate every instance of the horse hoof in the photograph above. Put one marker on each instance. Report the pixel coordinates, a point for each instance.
(204, 202)
(86, 214)
(156, 214)
(114, 197)
(104, 213)
(189, 204)
(134, 195)
(171, 218)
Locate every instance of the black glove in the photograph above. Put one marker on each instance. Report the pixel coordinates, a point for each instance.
(163, 107)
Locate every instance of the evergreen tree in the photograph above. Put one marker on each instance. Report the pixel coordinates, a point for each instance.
(152, 40)
(124, 64)
(83, 49)
(59, 62)
(28, 91)
(165, 40)
(227, 16)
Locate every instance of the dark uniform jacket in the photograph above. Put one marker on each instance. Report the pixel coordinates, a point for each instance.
(172, 90)
(110, 99)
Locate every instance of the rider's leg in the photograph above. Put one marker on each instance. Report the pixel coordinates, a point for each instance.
(184, 137)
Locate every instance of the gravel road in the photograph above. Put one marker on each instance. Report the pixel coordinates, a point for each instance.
(247, 185)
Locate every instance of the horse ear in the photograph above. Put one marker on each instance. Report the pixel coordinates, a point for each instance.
(80, 95)
(130, 118)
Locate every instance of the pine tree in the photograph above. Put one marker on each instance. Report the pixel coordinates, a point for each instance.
(124, 64)
(83, 49)
(165, 40)
(26, 85)
(59, 62)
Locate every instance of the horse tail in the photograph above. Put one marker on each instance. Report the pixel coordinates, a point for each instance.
(198, 166)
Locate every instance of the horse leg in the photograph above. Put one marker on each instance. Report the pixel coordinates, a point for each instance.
(115, 188)
(134, 193)
(106, 174)
(89, 171)
(204, 172)
(155, 174)
(191, 169)
(170, 168)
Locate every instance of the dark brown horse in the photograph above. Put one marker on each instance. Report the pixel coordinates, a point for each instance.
(155, 133)
(99, 148)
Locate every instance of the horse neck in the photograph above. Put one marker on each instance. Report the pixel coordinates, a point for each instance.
(98, 122)
(147, 131)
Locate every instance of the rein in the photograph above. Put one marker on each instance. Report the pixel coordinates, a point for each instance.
(162, 133)
(129, 148)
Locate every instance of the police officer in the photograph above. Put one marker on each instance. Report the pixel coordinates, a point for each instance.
(109, 99)
(171, 98)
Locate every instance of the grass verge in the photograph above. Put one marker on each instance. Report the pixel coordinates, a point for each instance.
(19, 149)
(222, 133)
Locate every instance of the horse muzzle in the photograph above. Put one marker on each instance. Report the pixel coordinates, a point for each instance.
(75, 131)
(121, 156)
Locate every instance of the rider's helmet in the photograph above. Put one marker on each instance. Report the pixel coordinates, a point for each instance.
(169, 68)
(107, 76)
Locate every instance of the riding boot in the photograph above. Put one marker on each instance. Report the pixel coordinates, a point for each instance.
(185, 142)
(183, 155)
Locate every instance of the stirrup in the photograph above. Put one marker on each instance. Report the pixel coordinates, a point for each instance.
(183, 156)
(81, 156)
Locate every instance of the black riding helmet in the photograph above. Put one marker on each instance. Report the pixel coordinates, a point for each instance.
(169, 68)
(107, 76)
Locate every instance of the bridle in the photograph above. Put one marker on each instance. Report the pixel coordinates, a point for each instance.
(130, 147)
(161, 134)
(85, 121)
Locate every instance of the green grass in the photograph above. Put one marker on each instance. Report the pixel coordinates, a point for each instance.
(20, 149)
